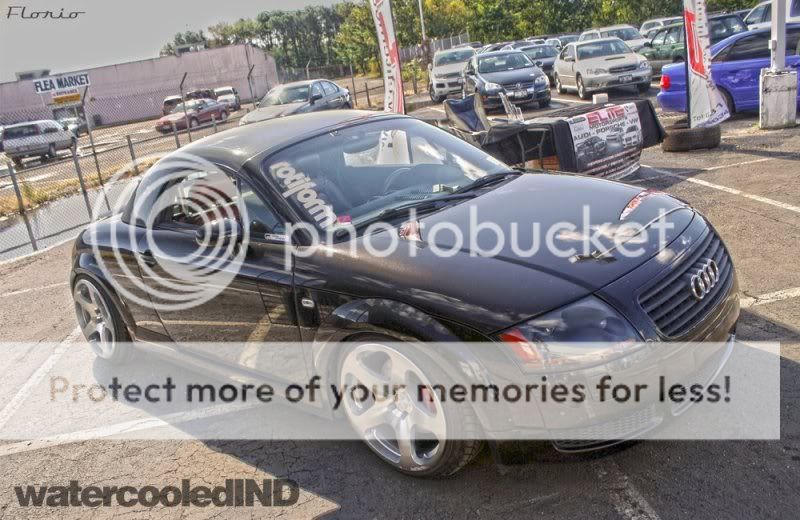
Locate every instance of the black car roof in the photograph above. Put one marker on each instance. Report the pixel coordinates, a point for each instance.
(710, 17)
(236, 146)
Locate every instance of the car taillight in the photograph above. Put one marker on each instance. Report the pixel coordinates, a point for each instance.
(666, 82)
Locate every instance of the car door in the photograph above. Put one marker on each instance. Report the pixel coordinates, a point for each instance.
(674, 45)
(334, 95)
(738, 69)
(228, 314)
(566, 66)
(655, 54)
(319, 104)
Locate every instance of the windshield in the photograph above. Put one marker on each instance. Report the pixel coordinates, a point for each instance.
(190, 105)
(625, 33)
(18, 132)
(587, 51)
(286, 95)
(352, 175)
(543, 51)
(224, 92)
(568, 39)
(504, 62)
(726, 26)
(448, 58)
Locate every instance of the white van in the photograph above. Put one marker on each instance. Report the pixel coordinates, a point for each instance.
(36, 139)
(760, 17)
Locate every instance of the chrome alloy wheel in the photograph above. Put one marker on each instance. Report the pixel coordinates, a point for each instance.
(390, 405)
(94, 318)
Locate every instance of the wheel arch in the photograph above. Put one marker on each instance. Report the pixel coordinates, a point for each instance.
(85, 265)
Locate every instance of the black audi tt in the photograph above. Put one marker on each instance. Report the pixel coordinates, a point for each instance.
(311, 206)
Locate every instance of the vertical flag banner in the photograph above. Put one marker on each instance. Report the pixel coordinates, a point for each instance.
(705, 103)
(390, 56)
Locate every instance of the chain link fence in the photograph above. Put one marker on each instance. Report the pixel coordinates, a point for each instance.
(60, 165)
(415, 52)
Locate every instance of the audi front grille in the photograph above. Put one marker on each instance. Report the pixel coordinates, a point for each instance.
(684, 296)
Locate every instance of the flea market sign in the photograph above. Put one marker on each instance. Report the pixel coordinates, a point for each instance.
(63, 82)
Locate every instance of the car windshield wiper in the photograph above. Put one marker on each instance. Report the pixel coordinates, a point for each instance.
(488, 180)
(420, 206)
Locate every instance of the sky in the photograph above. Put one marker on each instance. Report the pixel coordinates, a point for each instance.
(110, 31)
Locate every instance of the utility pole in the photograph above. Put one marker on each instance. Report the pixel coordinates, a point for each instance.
(425, 50)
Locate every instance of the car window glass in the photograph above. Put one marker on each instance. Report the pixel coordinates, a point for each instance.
(198, 198)
(316, 90)
(261, 219)
(793, 42)
(726, 26)
(670, 37)
(658, 39)
(328, 88)
(750, 48)
(755, 15)
(794, 9)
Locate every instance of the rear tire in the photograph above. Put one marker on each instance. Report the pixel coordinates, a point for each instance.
(728, 101)
(193, 122)
(425, 457)
(681, 138)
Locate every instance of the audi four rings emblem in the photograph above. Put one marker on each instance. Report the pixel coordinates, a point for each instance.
(704, 279)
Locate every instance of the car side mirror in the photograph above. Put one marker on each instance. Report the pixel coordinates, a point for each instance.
(538, 63)
(315, 98)
(223, 232)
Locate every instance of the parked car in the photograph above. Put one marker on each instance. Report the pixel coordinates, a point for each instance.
(299, 97)
(530, 41)
(760, 17)
(201, 93)
(736, 64)
(647, 29)
(626, 33)
(473, 45)
(669, 46)
(76, 125)
(446, 72)
(169, 104)
(36, 139)
(492, 47)
(197, 112)
(229, 96)
(344, 309)
(560, 41)
(543, 56)
(521, 43)
(598, 65)
(509, 72)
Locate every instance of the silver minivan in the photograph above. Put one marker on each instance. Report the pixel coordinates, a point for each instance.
(36, 139)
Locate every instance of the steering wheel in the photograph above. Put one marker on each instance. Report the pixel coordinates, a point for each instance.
(392, 178)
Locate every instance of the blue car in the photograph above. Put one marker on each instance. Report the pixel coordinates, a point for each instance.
(736, 67)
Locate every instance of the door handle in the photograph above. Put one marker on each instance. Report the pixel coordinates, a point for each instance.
(307, 302)
(146, 257)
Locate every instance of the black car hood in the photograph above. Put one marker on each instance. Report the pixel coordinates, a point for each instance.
(271, 112)
(513, 76)
(494, 292)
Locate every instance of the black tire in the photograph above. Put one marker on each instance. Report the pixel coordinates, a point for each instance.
(122, 351)
(193, 122)
(347, 106)
(643, 88)
(434, 97)
(681, 138)
(559, 87)
(458, 452)
(223, 115)
(728, 101)
(18, 164)
(545, 103)
(51, 151)
(581, 88)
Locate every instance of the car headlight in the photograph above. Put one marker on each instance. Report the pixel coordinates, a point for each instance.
(597, 72)
(644, 65)
(540, 80)
(585, 333)
(492, 86)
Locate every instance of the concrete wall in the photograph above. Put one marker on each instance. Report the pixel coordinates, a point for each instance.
(134, 91)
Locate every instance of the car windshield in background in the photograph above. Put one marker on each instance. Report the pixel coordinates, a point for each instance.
(449, 58)
(286, 95)
(18, 132)
(540, 52)
(224, 92)
(504, 62)
(626, 33)
(587, 51)
(726, 26)
(190, 105)
(68, 121)
(568, 39)
(364, 170)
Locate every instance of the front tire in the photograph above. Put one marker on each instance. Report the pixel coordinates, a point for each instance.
(643, 88)
(434, 97)
(101, 322)
(559, 86)
(581, 88)
(419, 438)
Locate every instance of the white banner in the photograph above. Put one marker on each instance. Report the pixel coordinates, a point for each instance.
(64, 81)
(390, 56)
(705, 103)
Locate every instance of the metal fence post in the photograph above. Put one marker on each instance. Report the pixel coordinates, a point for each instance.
(21, 204)
(83, 185)
(214, 122)
(250, 85)
(175, 133)
(353, 81)
(185, 114)
(366, 90)
(133, 155)
(91, 135)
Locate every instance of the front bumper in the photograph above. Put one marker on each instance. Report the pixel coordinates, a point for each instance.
(447, 86)
(636, 77)
(540, 94)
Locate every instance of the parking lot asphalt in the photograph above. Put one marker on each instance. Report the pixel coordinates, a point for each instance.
(747, 188)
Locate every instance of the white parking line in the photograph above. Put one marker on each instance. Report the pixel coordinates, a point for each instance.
(33, 289)
(726, 189)
(626, 499)
(772, 297)
(735, 165)
(11, 408)
(563, 100)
